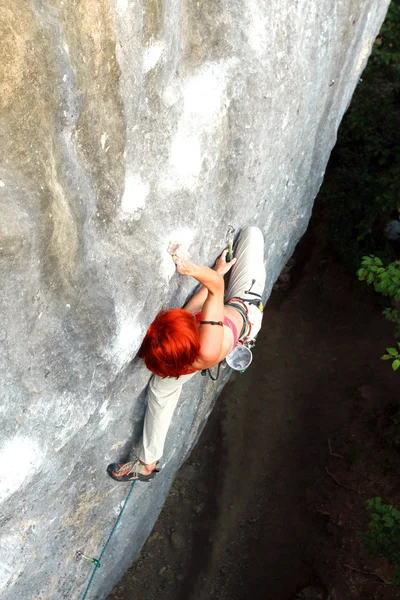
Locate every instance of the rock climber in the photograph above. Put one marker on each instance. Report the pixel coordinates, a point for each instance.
(182, 341)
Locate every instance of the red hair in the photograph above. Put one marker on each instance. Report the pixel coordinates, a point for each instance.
(171, 344)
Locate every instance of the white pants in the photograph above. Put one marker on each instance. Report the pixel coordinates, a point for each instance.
(247, 275)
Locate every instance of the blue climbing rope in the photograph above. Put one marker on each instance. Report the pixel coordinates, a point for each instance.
(97, 561)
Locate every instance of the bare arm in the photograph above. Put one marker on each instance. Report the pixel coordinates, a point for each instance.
(197, 301)
(211, 336)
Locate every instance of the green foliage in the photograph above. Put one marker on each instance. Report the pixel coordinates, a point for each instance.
(383, 533)
(362, 189)
(393, 315)
(393, 354)
(386, 281)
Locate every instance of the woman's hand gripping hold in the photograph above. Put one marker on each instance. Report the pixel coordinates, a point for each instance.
(221, 266)
(181, 258)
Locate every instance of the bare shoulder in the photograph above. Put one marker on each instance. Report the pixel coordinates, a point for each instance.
(205, 360)
(211, 355)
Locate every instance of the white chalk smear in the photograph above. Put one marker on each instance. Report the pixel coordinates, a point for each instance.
(20, 458)
(203, 93)
(171, 93)
(122, 4)
(152, 56)
(105, 421)
(134, 197)
(205, 105)
(127, 339)
(11, 559)
(105, 415)
(185, 157)
(185, 237)
(2, 184)
(258, 29)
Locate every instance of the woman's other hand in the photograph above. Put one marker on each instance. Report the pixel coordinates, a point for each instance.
(181, 258)
(221, 266)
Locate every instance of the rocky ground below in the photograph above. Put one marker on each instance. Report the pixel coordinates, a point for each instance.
(269, 504)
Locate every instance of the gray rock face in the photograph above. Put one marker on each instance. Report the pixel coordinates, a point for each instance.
(125, 124)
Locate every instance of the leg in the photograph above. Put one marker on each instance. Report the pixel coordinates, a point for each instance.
(162, 398)
(248, 274)
(249, 266)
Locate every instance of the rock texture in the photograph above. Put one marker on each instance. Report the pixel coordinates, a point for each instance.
(125, 124)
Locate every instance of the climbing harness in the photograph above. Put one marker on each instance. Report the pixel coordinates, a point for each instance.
(252, 293)
(241, 356)
(240, 304)
(96, 562)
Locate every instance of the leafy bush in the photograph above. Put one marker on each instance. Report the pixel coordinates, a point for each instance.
(362, 188)
(386, 281)
(383, 533)
(393, 315)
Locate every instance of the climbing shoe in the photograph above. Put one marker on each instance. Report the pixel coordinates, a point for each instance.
(130, 471)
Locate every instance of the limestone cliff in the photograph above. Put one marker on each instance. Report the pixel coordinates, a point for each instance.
(125, 124)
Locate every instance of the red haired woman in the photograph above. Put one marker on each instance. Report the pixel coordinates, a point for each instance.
(182, 341)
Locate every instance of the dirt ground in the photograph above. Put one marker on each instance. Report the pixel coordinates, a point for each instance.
(272, 497)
